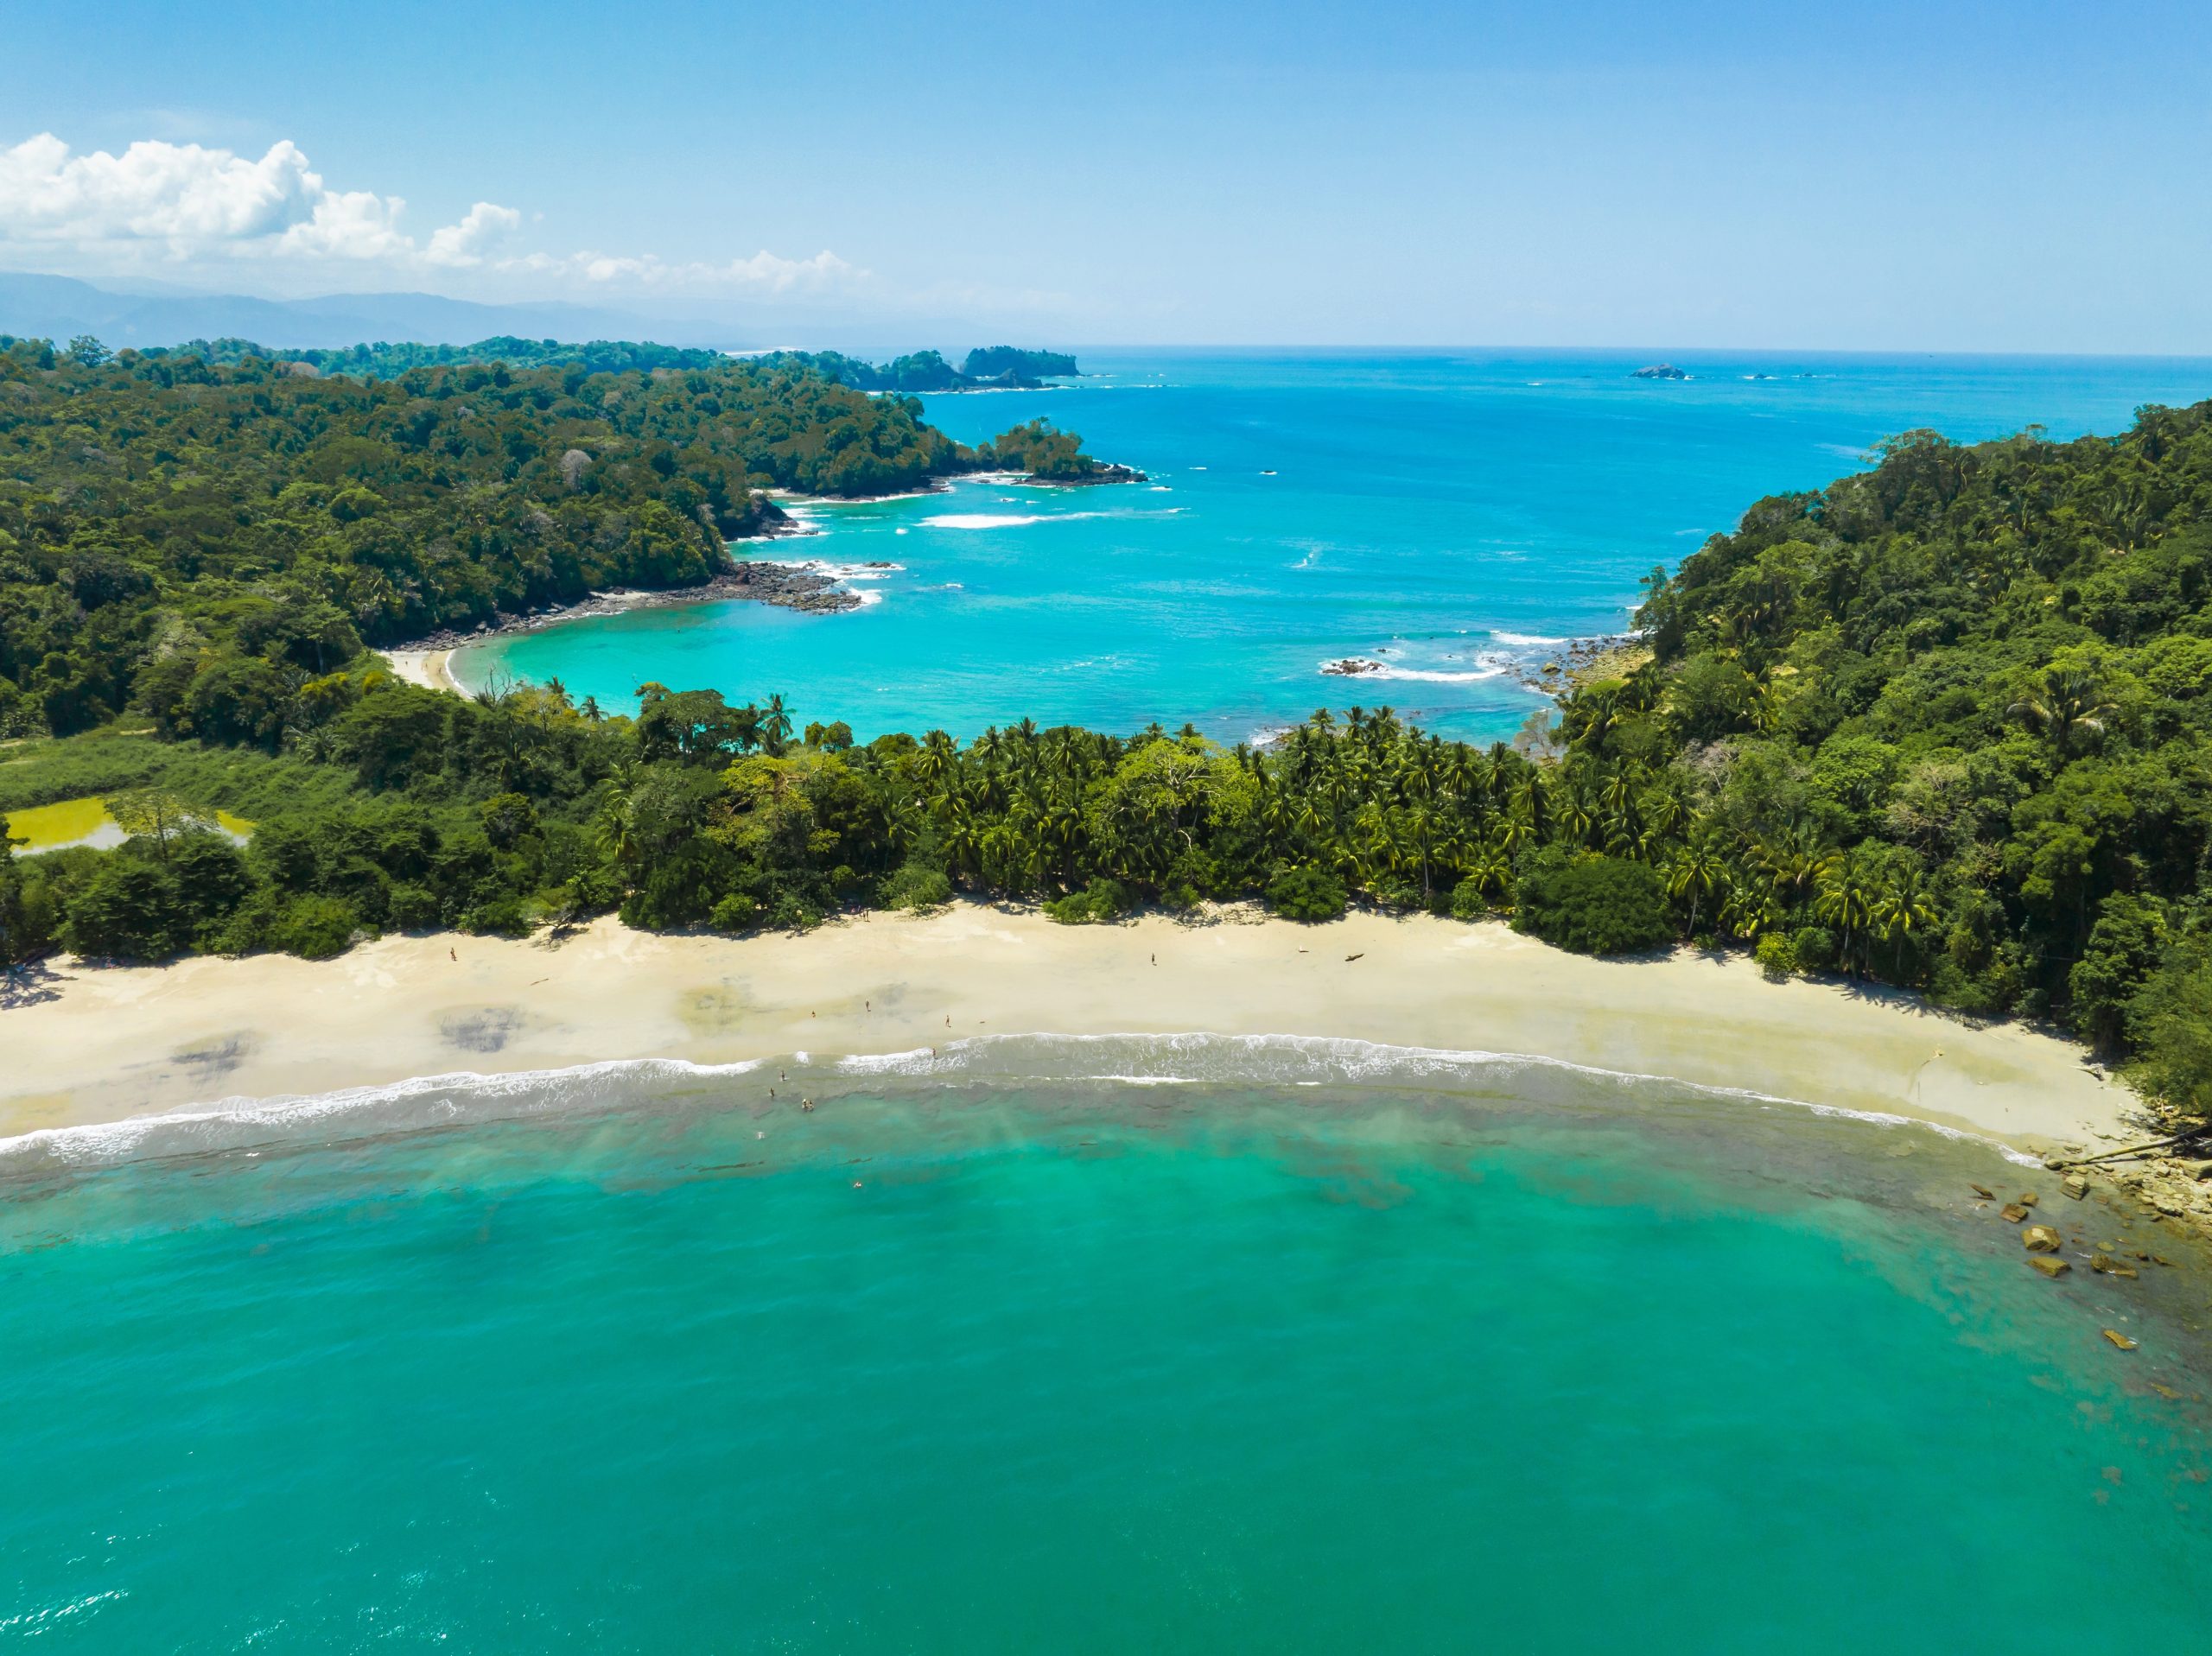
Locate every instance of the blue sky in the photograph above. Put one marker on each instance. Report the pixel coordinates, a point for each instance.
(1935, 176)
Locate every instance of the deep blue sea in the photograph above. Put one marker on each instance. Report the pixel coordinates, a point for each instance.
(1452, 517)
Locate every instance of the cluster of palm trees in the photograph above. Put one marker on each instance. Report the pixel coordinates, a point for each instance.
(1408, 818)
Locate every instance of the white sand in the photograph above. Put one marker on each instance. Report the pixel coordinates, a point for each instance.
(427, 668)
(123, 1041)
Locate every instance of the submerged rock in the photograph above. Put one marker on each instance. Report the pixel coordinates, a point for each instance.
(2120, 1340)
(2050, 1265)
(2039, 1239)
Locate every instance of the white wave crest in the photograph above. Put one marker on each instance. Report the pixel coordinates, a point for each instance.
(1372, 668)
(1021, 519)
(1193, 1058)
(998, 519)
(1199, 1058)
(421, 1101)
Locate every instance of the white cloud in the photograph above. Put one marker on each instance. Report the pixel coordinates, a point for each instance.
(172, 205)
(181, 193)
(483, 229)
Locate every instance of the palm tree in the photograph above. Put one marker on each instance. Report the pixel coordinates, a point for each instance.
(1575, 818)
(1846, 898)
(615, 829)
(1490, 868)
(775, 725)
(1751, 908)
(936, 759)
(1902, 910)
(1697, 872)
(1793, 859)
(2065, 704)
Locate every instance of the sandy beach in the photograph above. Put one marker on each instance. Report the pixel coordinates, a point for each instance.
(424, 667)
(96, 1044)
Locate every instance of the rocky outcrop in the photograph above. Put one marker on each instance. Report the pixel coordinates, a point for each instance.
(1659, 371)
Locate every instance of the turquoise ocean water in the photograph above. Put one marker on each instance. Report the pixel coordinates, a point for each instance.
(1261, 1347)
(1450, 517)
(992, 1358)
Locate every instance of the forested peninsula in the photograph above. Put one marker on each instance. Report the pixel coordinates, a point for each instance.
(1946, 724)
(195, 539)
(995, 367)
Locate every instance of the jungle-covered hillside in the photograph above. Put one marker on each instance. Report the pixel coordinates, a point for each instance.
(180, 533)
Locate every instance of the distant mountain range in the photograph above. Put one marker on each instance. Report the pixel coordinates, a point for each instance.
(61, 307)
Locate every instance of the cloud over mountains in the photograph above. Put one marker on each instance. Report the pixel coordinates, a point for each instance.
(173, 208)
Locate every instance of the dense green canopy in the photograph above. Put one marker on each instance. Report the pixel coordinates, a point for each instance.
(1947, 723)
(182, 535)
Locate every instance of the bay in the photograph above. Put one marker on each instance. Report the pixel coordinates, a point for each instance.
(1452, 517)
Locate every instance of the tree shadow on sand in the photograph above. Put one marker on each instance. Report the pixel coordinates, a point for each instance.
(28, 983)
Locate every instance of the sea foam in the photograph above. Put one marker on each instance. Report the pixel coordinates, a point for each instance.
(463, 1097)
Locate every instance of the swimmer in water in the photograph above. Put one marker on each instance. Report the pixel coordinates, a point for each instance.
(806, 1103)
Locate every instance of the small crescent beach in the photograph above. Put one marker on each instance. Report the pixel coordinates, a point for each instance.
(427, 668)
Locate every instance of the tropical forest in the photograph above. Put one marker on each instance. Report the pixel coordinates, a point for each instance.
(1943, 725)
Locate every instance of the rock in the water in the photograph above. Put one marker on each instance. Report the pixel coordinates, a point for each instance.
(2050, 1266)
(2027, 1198)
(1661, 371)
(2119, 1340)
(2077, 1186)
(1982, 1190)
(2039, 1239)
(2012, 1211)
(2108, 1265)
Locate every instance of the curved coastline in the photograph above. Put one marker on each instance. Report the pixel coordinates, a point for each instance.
(1431, 993)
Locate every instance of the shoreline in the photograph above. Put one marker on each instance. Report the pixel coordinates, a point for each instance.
(92, 1045)
(809, 586)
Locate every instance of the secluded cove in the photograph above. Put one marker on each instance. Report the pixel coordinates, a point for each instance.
(1452, 517)
(1008, 1363)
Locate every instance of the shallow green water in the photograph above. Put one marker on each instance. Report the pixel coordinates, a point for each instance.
(987, 1365)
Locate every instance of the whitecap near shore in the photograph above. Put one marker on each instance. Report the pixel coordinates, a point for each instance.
(1269, 1063)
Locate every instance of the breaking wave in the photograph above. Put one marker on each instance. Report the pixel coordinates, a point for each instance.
(1194, 1059)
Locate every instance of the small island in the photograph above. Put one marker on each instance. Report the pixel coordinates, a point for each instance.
(1659, 370)
(988, 368)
